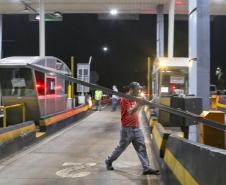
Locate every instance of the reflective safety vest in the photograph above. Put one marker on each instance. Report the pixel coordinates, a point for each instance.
(98, 94)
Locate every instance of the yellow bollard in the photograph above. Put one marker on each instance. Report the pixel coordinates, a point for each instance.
(72, 75)
(4, 117)
(24, 112)
(69, 96)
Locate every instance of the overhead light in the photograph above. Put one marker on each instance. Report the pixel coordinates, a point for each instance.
(105, 49)
(114, 12)
(58, 14)
(37, 17)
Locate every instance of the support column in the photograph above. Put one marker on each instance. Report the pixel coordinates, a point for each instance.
(171, 28)
(0, 36)
(42, 28)
(160, 31)
(199, 54)
(199, 49)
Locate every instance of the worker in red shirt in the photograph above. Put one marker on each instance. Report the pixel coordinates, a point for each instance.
(130, 132)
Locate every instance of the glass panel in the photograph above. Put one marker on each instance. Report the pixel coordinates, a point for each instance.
(85, 72)
(40, 83)
(17, 82)
(50, 86)
(174, 81)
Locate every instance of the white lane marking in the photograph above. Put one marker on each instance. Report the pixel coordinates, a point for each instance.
(68, 173)
(72, 170)
(71, 164)
(91, 164)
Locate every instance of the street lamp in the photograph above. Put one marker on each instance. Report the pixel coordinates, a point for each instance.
(105, 49)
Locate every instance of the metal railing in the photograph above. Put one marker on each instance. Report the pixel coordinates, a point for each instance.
(185, 114)
(5, 108)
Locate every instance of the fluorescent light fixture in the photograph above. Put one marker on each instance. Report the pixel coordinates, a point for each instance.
(114, 12)
(162, 63)
(58, 14)
(37, 17)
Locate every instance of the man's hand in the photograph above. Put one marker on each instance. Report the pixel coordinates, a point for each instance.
(139, 103)
(136, 107)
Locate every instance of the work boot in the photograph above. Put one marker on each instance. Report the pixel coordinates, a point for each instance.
(109, 165)
(151, 172)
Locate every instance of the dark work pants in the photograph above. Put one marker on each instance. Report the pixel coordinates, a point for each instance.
(114, 104)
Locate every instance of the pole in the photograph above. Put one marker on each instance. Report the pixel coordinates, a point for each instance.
(149, 78)
(4, 117)
(171, 28)
(42, 28)
(160, 31)
(72, 75)
(0, 36)
(24, 112)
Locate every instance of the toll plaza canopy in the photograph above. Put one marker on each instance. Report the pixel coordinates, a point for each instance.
(218, 7)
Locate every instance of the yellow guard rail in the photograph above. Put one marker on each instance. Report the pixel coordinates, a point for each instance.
(4, 108)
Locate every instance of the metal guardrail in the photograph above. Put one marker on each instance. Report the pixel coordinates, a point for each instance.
(185, 114)
(5, 108)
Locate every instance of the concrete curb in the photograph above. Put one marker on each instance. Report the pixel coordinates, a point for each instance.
(59, 121)
(14, 138)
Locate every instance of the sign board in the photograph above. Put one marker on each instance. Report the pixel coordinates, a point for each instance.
(18, 82)
(83, 73)
(177, 79)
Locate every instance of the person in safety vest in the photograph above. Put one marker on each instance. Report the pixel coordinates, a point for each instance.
(130, 132)
(98, 97)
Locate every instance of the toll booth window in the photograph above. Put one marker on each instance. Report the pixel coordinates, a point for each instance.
(16, 82)
(50, 83)
(40, 83)
(174, 81)
(85, 72)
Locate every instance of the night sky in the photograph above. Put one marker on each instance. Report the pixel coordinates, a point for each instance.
(130, 43)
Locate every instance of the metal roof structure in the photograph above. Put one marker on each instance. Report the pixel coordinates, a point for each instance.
(20, 60)
(48, 62)
(218, 7)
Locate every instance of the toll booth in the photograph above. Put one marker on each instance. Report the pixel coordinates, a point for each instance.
(43, 94)
(170, 86)
(169, 78)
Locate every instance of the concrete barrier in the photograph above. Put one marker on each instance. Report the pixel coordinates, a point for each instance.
(14, 138)
(150, 117)
(183, 162)
(189, 163)
(52, 123)
(160, 136)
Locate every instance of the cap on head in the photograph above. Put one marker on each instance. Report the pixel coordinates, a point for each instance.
(134, 85)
